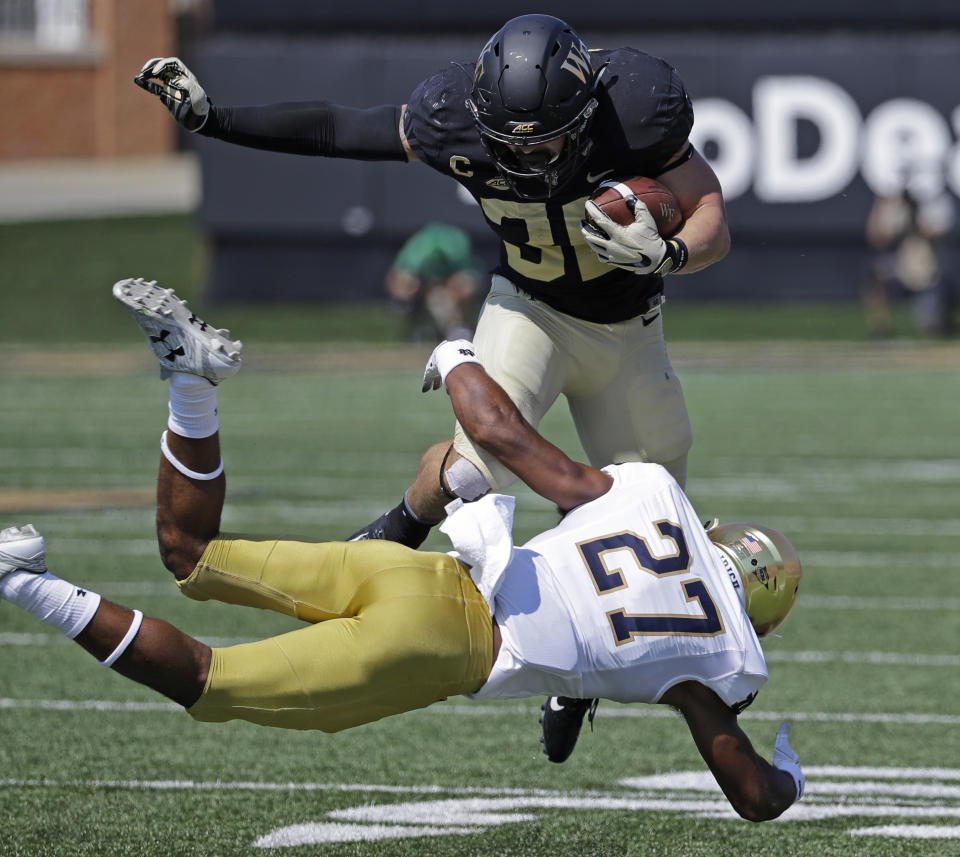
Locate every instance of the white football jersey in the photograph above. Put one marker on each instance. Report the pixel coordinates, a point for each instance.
(626, 597)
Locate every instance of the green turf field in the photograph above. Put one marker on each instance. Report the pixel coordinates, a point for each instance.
(850, 450)
(62, 266)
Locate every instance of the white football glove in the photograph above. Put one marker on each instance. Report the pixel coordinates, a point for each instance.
(638, 247)
(446, 356)
(178, 88)
(786, 759)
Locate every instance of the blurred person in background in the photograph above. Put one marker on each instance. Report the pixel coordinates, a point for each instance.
(908, 233)
(434, 280)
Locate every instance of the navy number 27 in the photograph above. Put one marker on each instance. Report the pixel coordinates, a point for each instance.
(625, 625)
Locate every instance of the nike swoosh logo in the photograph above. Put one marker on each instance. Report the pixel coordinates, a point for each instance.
(555, 704)
(591, 178)
(652, 318)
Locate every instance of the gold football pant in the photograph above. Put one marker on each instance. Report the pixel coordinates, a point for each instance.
(624, 397)
(392, 629)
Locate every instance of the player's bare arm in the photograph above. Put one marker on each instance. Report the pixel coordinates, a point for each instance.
(757, 790)
(704, 230)
(494, 422)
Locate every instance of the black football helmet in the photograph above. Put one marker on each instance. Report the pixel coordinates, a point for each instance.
(534, 84)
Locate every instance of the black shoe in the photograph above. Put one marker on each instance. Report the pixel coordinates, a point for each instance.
(376, 530)
(397, 525)
(561, 720)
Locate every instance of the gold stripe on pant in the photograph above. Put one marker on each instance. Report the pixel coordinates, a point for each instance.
(392, 629)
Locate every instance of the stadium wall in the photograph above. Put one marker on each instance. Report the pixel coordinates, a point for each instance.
(483, 18)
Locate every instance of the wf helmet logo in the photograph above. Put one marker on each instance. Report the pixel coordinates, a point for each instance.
(578, 62)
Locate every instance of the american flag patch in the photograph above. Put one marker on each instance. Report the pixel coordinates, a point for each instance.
(751, 544)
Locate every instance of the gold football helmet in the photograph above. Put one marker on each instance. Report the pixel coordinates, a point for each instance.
(769, 570)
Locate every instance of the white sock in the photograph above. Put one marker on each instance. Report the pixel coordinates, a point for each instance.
(57, 602)
(193, 406)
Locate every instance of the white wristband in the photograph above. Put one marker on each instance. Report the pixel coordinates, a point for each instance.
(126, 641)
(451, 354)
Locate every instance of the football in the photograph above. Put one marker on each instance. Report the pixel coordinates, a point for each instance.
(616, 199)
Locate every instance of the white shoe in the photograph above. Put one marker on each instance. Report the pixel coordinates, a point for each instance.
(22, 549)
(181, 341)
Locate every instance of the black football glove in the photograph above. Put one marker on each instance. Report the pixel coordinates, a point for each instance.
(177, 87)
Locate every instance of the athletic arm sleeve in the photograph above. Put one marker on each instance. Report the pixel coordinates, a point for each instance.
(312, 128)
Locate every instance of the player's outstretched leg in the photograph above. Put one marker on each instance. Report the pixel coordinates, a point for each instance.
(195, 357)
(149, 651)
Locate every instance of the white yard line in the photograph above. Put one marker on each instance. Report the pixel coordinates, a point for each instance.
(456, 810)
(772, 655)
(909, 831)
(916, 527)
(912, 562)
(676, 782)
(481, 710)
(167, 589)
(12, 638)
(880, 658)
(660, 712)
(876, 602)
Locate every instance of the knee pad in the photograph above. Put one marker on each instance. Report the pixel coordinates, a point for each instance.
(465, 480)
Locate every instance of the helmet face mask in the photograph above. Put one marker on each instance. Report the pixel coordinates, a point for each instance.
(768, 566)
(533, 84)
(525, 160)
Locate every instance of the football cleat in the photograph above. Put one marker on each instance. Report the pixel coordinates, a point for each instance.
(561, 720)
(181, 341)
(22, 549)
(768, 566)
(397, 525)
(376, 530)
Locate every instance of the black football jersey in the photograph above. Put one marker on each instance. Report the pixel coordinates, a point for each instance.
(643, 117)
